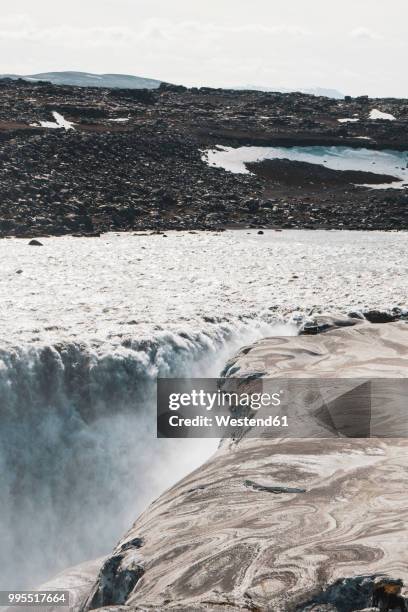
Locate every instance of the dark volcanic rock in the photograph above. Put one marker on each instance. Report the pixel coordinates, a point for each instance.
(345, 595)
(302, 173)
(117, 578)
(272, 488)
(134, 160)
(376, 316)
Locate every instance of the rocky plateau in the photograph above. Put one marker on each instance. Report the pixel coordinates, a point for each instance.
(128, 159)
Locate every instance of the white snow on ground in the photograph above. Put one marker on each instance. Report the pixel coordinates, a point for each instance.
(101, 290)
(120, 120)
(377, 114)
(348, 120)
(395, 185)
(58, 124)
(392, 163)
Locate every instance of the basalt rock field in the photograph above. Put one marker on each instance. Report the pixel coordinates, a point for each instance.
(88, 160)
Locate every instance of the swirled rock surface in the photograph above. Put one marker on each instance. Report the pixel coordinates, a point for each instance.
(325, 518)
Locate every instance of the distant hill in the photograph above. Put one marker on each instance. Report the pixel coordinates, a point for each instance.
(314, 91)
(87, 79)
(321, 91)
(128, 81)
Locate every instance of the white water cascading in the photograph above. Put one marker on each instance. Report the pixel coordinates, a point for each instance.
(78, 454)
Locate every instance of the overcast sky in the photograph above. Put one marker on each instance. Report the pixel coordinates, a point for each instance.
(356, 46)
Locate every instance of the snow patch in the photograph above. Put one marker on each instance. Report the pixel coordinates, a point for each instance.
(58, 124)
(392, 163)
(394, 185)
(377, 114)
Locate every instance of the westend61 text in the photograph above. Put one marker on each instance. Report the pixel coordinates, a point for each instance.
(228, 421)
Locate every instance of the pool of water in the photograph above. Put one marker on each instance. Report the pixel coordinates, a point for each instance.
(394, 163)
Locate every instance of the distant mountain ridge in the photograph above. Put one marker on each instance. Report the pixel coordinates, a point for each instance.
(88, 79)
(128, 81)
(314, 91)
